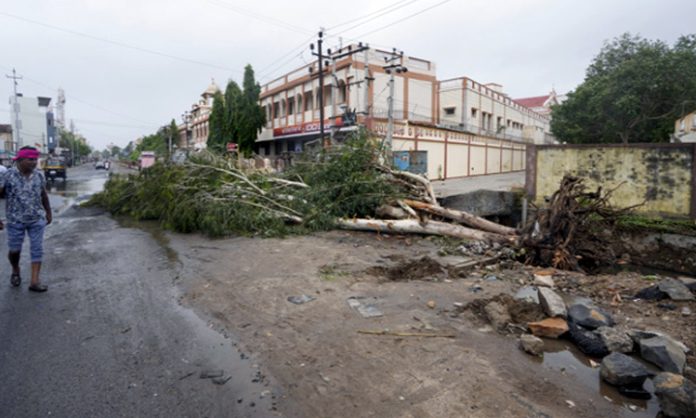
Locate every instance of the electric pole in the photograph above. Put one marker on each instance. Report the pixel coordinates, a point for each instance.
(334, 82)
(15, 106)
(320, 57)
(391, 68)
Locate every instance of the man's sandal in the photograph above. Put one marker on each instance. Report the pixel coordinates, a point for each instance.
(15, 280)
(38, 287)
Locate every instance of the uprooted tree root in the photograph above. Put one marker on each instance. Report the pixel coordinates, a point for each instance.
(572, 232)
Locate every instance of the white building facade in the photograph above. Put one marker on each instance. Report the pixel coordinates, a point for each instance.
(29, 123)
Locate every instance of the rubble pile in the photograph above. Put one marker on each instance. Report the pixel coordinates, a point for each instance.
(595, 332)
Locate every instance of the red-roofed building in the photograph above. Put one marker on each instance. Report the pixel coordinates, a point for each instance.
(542, 104)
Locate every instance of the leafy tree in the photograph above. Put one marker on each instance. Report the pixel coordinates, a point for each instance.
(74, 143)
(216, 124)
(252, 117)
(633, 91)
(233, 106)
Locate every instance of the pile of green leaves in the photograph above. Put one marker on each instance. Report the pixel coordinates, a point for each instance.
(208, 195)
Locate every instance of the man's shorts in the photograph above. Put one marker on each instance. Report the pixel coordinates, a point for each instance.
(35, 230)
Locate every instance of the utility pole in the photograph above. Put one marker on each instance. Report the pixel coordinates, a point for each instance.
(391, 68)
(334, 81)
(15, 107)
(320, 57)
(367, 78)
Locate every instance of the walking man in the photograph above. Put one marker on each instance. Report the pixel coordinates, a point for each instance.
(28, 212)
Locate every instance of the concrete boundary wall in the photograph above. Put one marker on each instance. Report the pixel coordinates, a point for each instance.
(454, 154)
(660, 176)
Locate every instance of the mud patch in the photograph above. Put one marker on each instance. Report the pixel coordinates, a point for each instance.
(425, 269)
(520, 311)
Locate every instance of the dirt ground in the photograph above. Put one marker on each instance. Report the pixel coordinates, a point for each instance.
(324, 367)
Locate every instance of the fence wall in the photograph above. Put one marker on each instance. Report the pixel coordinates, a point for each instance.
(661, 176)
(453, 154)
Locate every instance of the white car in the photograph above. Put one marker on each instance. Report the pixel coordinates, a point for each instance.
(100, 165)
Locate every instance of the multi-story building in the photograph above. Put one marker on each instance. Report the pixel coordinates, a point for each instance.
(465, 128)
(30, 124)
(193, 132)
(291, 102)
(542, 104)
(685, 129)
(484, 109)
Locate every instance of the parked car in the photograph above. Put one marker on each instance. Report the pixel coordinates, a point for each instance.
(100, 165)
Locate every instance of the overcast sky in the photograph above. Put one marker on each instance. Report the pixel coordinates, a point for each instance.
(129, 66)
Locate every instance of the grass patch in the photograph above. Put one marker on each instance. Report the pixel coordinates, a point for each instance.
(331, 272)
(653, 224)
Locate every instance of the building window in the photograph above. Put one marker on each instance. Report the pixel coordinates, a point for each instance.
(450, 110)
(291, 106)
(473, 113)
(308, 101)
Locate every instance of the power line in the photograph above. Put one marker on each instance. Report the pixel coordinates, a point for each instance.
(39, 83)
(258, 16)
(293, 51)
(347, 22)
(404, 18)
(390, 10)
(118, 43)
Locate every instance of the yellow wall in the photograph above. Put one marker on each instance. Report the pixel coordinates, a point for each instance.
(659, 176)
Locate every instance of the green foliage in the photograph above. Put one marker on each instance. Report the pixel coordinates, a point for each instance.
(252, 117)
(664, 225)
(207, 194)
(74, 142)
(216, 135)
(633, 92)
(344, 182)
(237, 116)
(157, 142)
(233, 105)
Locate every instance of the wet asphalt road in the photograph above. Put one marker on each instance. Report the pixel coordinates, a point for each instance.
(109, 339)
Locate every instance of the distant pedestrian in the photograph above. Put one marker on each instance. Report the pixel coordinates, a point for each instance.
(28, 212)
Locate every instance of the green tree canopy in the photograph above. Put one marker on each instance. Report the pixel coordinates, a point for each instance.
(74, 142)
(633, 91)
(252, 116)
(233, 106)
(237, 116)
(216, 124)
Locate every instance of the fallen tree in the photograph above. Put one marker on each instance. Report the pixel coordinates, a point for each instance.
(571, 232)
(347, 187)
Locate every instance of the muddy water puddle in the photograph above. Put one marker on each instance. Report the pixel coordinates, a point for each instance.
(561, 356)
(66, 193)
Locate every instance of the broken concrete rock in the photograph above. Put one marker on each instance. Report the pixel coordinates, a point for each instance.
(497, 314)
(587, 341)
(676, 394)
(663, 353)
(675, 289)
(638, 335)
(621, 370)
(528, 293)
(552, 303)
(549, 328)
(689, 282)
(531, 344)
(544, 278)
(589, 316)
(651, 293)
(615, 339)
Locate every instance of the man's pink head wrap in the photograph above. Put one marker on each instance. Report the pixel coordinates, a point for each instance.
(27, 153)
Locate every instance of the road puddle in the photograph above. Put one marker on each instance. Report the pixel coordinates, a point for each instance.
(563, 357)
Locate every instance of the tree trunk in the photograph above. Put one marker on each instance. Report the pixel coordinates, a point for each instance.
(462, 217)
(412, 226)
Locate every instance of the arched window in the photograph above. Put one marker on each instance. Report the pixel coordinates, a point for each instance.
(299, 103)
